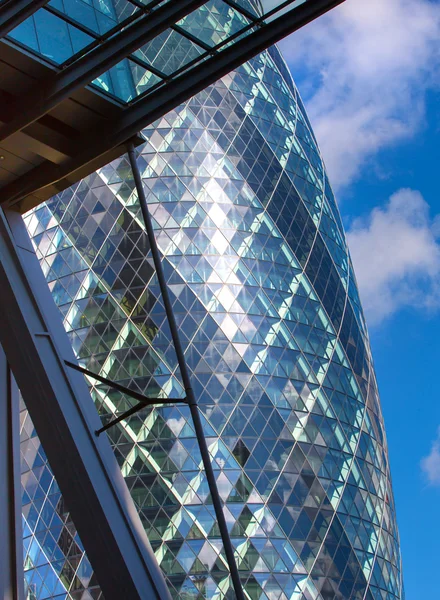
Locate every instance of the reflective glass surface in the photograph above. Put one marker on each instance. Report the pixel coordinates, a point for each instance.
(65, 30)
(266, 301)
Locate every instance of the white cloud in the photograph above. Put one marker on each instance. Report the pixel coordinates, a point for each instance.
(367, 66)
(396, 256)
(431, 464)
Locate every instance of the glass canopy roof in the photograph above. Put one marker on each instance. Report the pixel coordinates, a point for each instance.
(64, 31)
(145, 56)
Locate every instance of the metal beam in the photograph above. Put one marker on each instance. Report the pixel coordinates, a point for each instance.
(184, 372)
(65, 418)
(153, 106)
(188, 84)
(11, 534)
(47, 94)
(14, 12)
(48, 137)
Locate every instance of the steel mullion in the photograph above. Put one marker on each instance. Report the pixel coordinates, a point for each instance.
(145, 7)
(70, 21)
(98, 39)
(209, 51)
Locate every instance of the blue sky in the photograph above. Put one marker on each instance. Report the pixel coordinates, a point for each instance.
(369, 75)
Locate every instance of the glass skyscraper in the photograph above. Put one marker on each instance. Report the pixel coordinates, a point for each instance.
(267, 305)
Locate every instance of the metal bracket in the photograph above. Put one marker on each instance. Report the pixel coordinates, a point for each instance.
(143, 400)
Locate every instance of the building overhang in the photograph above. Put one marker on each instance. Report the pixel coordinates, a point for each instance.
(57, 125)
(53, 138)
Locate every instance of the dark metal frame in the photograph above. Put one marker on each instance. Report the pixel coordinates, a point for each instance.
(190, 396)
(11, 546)
(59, 403)
(143, 400)
(14, 12)
(32, 334)
(48, 94)
(153, 106)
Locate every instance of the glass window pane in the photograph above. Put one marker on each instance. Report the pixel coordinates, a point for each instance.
(50, 36)
(214, 22)
(25, 34)
(169, 52)
(99, 16)
(126, 80)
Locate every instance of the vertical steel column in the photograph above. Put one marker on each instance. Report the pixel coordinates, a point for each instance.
(192, 402)
(59, 403)
(11, 535)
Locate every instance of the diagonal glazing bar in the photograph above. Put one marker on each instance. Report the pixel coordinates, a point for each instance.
(156, 104)
(80, 73)
(14, 12)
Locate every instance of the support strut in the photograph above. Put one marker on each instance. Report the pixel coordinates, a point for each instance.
(192, 402)
(143, 400)
(11, 547)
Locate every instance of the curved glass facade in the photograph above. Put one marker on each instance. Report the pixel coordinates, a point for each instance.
(266, 301)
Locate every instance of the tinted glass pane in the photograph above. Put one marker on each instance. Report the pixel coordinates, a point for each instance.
(169, 52)
(66, 27)
(214, 22)
(100, 15)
